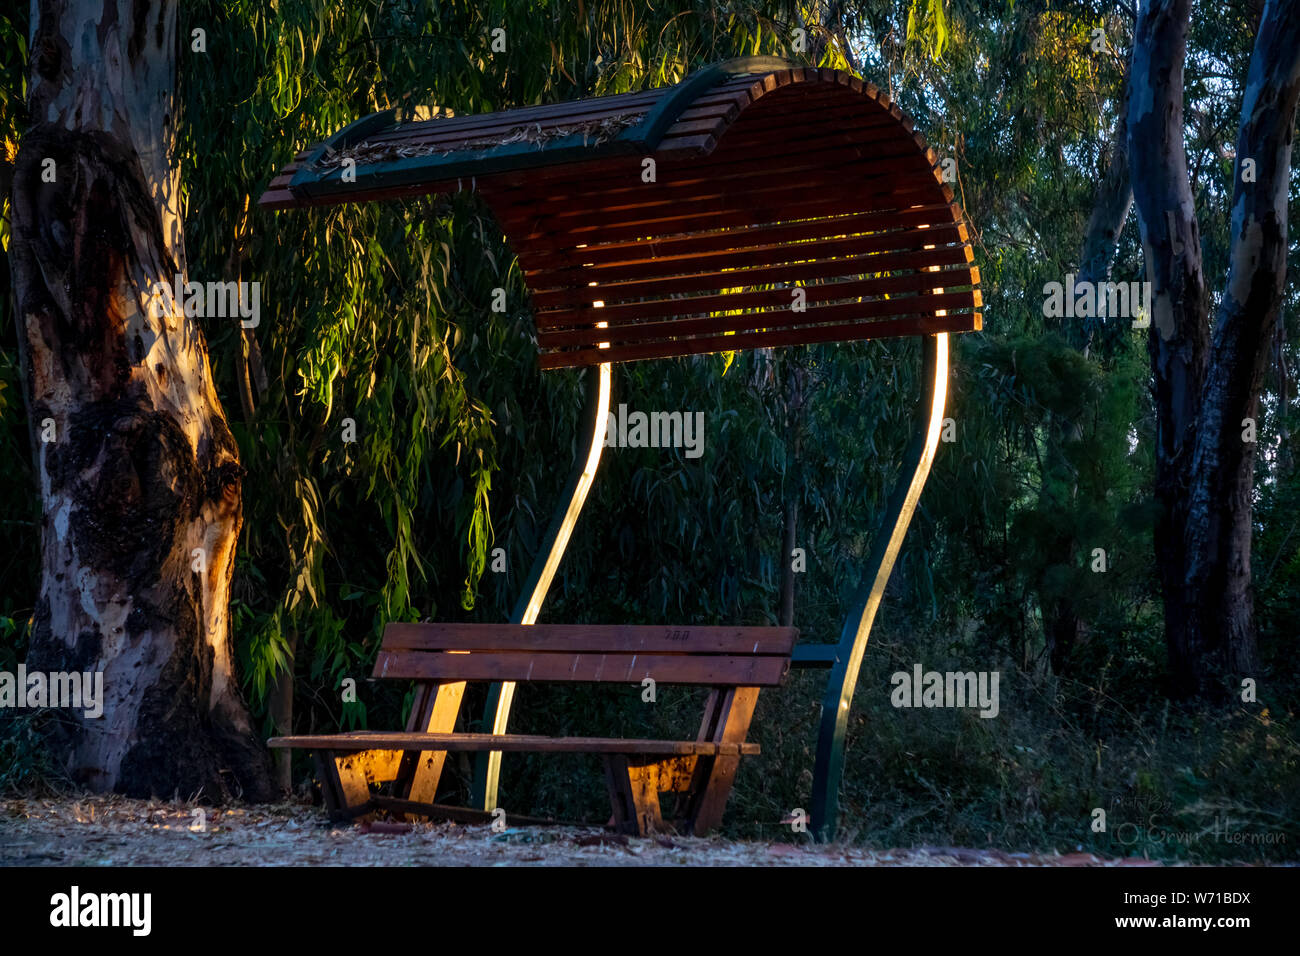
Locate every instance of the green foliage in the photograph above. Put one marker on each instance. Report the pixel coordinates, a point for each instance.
(377, 319)
(927, 28)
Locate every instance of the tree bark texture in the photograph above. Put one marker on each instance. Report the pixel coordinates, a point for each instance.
(1203, 388)
(1217, 536)
(141, 486)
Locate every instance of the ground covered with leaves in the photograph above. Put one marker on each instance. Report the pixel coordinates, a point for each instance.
(115, 831)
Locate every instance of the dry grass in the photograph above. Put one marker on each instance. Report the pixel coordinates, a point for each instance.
(115, 831)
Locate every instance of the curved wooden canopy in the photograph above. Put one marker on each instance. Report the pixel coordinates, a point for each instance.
(787, 205)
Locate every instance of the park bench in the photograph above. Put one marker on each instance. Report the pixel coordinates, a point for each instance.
(755, 205)
(734, 662)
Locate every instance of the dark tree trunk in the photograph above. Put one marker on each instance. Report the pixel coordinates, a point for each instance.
(280, 705)
(788, 539)
(1217, 537)
(1203, 469)
(144, 474)
(793, 400)
(1178, 342)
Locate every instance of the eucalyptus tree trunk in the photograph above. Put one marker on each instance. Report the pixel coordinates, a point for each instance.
(1178, 342)
(1217, 537)
(139, 473)
(794, 418)
(1204, 468)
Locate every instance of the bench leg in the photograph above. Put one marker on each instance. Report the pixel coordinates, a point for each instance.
(726, 720)
(434, 712)
(378, 766)
(634, 794)
(343, 784)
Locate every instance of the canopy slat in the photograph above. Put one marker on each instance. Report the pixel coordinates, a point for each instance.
(787, 206)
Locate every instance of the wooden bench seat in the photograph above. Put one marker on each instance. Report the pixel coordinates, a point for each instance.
(734, 661)
(513, 743)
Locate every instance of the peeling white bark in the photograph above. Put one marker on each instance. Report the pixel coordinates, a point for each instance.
(145, 469)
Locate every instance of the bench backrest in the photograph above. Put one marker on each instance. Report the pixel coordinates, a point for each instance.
(710, 656)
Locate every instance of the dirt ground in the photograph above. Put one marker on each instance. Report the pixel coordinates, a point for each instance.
(115, 831)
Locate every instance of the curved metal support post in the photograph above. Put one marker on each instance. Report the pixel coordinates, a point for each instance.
(500, 696)
(843, 680)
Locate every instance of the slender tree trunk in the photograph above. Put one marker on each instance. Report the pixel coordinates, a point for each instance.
(1178, 342)
(280, 705)
(788, 539)
(1285, 453)
(795, 383)
(1204, 471)
(1217, 537)
(141, 483)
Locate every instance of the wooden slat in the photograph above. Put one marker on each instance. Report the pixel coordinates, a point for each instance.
(807, 123)
(509, 743)
(278, 199)
(922, 324)
(809, 108)
(724, 111)
(865, 172)
(776, 211)
(813, 137)
(619, 314)
(688, 144)
(723, 170)
(582, 638)
(901, 240)
(837, 167)
(777, 204)
(744, 278)
(776, 319)
(453, 140)
(551, 114)
(903, 210)
(594, 668)
(743, 237)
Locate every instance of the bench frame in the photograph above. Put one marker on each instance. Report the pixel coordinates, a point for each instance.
(734, 662)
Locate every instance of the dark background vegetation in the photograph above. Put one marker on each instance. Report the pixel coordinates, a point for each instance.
(380, 314)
